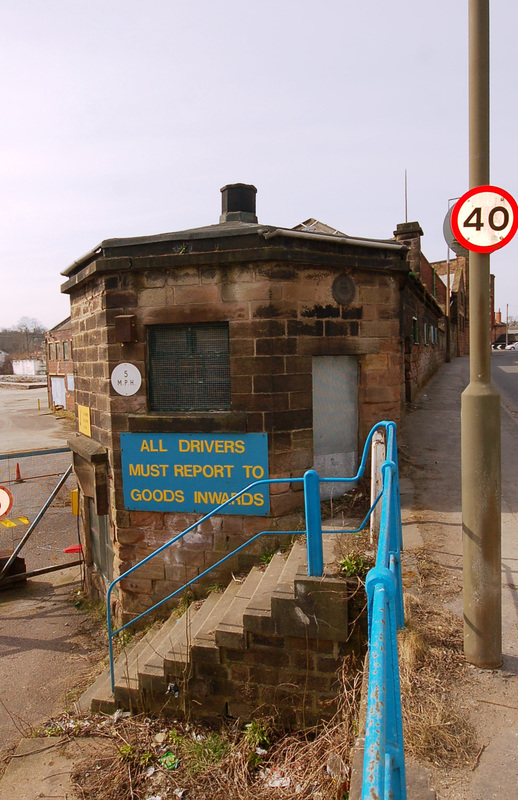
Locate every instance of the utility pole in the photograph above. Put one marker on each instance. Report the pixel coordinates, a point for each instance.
(480, 414)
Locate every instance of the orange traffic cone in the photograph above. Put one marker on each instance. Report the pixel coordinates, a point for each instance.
(18, 478)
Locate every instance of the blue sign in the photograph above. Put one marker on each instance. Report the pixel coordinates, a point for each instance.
(186, 472)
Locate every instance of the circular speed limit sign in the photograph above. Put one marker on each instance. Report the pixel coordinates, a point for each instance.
(6, 501)
(485, 219)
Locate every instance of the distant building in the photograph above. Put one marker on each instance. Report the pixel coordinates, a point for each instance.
(29, 366)
(60, 366)
(499, 331)
(422, 310)
(6, 365)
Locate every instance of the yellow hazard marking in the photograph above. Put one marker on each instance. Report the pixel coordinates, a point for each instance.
(7, 523)
(25, 520)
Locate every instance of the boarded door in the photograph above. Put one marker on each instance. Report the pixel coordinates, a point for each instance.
(57, 388)
(335, 420)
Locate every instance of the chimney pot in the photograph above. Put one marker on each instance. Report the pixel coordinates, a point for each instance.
(238, 203)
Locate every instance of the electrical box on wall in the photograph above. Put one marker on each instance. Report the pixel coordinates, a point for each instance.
(126, 328)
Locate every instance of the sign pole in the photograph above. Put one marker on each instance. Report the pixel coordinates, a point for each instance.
(480, 407)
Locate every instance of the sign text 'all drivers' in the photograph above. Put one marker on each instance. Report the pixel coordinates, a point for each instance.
(195, 472)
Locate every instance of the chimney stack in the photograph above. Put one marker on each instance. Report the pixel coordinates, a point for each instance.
(238, 203)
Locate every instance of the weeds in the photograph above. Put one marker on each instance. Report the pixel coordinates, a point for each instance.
(266, 556)
(355, 565)
(152, 757)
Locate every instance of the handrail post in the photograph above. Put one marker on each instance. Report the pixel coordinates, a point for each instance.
(313, 524)
(378, 456)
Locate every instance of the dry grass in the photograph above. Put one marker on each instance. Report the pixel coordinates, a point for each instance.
(354, 504)
(255, 762)
(432, 668)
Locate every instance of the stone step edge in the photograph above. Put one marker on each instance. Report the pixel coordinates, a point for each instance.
(229, 630)
(154, 664)
(295, 563)
(205, 637)
(257, 617)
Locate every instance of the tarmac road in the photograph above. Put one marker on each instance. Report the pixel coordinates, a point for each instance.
(504, 373)
(25, 427)
(45, 651)
(45, 642)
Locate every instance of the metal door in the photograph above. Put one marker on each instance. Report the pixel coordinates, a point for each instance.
(335, 419)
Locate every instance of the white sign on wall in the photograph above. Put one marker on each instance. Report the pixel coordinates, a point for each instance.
(126, 379)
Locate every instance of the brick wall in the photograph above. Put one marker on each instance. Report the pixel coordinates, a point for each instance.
(280, 314)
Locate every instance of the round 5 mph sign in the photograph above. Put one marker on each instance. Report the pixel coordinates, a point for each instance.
(485, 219)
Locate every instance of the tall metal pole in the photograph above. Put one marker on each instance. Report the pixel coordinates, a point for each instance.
(480, 423)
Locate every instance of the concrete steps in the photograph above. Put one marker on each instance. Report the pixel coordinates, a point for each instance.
(257, 616)
(188, 654)
(172, 650)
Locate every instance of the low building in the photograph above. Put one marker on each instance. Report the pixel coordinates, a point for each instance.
(28, 366)
(211, 357)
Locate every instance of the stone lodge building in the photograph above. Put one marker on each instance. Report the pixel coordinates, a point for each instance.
(211, 357)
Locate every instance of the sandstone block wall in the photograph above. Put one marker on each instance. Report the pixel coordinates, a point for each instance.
(281, 312)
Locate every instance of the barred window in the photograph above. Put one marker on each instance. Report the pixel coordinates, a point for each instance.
(189, 367)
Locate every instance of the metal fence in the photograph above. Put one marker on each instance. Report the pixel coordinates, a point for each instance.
(31, 477)
(384, 760)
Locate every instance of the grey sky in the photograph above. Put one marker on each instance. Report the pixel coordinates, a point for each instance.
(124, 118)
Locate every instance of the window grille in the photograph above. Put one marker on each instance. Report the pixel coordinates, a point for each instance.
(189, 367)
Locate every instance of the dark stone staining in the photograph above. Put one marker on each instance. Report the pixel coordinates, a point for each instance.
(278, 273)
(320, 312)
(272, 311)
(352, 313)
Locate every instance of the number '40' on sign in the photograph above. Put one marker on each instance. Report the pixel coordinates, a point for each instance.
(485, 219)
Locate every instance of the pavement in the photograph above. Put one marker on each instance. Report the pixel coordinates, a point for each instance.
(429, 441)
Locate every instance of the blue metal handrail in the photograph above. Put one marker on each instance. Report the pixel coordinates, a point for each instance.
(384, 761)
(384, 768)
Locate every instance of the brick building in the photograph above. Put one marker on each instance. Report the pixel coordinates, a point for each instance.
(423, 304)
(60, 366)
(193, 343)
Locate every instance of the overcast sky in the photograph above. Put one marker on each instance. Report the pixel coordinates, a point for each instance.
(125, 118)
